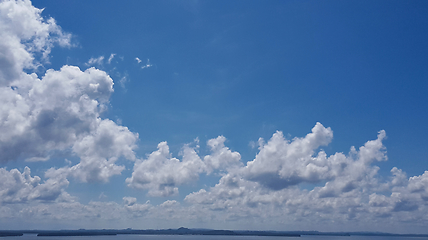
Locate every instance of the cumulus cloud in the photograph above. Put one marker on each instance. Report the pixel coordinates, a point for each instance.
(351, 189)
(161, 173)
(17, 187)
(282, 163)
(98, 153)
(61, 110)
(221, 157)
(39, 116)
(355, 171)
(136, 209)
(23, 35)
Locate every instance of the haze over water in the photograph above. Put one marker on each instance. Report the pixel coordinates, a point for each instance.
(200, 237)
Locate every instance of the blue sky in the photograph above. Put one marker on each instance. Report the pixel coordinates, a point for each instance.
(155, 110)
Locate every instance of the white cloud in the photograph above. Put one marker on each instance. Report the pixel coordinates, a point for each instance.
(419, 184)
(17, 187)
(59, 112)
(352, 198)
(129, 201)
(148, 64)
(136, 209)
(221, 157)
(281, 163)
(111, 58)
(123, 81)
(24, 33)
(169, 204)
(351, 195)
(99, 152)
(37, 159)
(97, 61)
(352, 191)
(161, 174)
(40, 116)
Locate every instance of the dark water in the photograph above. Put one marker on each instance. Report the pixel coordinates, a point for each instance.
(198, 237)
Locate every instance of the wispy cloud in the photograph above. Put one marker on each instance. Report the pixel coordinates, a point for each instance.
(123, 81)
(148, 64)
(111, 58)
(95, 61)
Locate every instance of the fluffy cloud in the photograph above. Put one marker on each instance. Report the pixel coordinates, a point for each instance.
(351, 189)
(136, 209)
(355, 171)
(23, 33)
(17, 187)
(99, 152)
(38, 116)
(161, 174)
(57, 112)
(61, 111)
(221, 157)
(351, 192)
(281, 163)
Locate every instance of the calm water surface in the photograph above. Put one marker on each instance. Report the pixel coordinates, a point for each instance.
(198, 237)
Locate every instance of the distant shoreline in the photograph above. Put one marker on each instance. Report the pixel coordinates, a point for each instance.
(187, 231)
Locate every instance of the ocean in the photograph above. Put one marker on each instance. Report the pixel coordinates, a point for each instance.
(200, 237)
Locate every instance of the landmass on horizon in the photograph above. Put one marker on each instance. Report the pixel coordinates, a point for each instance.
(193, 231)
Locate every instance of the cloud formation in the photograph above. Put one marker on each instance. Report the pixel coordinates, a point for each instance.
(281, 163)
(161, 174)
(351, 190)
(98, 61)
(111, 58)
(60, 111)
(290, 182)
(24, 34)
(17, 187)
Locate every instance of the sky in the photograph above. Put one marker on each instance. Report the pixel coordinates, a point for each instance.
(257, 115)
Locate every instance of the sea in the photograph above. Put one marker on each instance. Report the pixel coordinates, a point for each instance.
(204, 237)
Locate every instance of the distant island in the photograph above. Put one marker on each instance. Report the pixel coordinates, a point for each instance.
(187, 231)
(179, 231)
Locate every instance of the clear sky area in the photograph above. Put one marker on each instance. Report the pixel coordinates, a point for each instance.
(257, 115)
